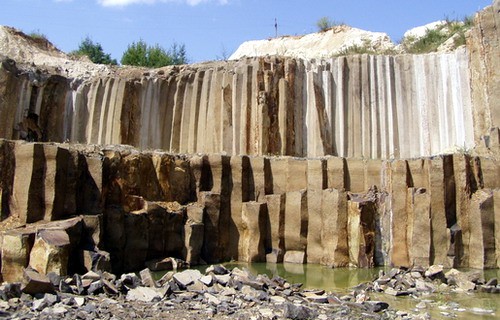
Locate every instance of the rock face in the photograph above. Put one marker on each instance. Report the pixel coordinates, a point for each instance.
(335, 211)
(362, 197)
(355, 106)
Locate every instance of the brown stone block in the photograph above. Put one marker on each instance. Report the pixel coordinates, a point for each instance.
(7, 163)
(211, 252)
(296, 174)
(136, 242)
(482, 252)
(418, 173)
(138, 177)
(276, 210)
(489, 173)
(440, 235)
(334, 234)
(93, 229)
(195, 213)
(199, 177)
(50, 252)
(336, 173)
(90, 185)
(316, 174)
(174, 176)
(315, 226)
(16, 248)
(259, 178)
(419, 226)
(193, 239)
(36, 283)
(61, 187)
(373, 173)
(239, 192)
(114, 235)
(296, 220)
(295, 257)
(361, 231)
(279, 168)
(496, 201)
(398, 190)
(252, 238)
(355, 175)
(215, 161)
(22, 192)
(465, 185)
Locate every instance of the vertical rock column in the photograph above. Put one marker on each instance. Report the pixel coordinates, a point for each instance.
(440, 236)
(482, 252)
(398, 191)
(316, 175)
(276, 211)
(211, 251)
(361, 214)
(419, 226)
(194, 230)
(296, 222)
(7, 163)
(252, 237)
(334, 233)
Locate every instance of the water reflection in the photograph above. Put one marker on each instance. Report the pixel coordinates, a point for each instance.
(339, 280)
(312, 276)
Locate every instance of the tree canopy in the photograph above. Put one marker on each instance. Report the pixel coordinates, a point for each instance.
(94, 51)
(141, 54)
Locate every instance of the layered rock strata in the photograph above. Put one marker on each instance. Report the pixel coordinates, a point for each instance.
(334, 211)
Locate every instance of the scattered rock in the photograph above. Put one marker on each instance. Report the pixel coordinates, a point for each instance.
(147, 278)
(187, 277)
(298, 312)
(35, 282)
(434, 271)
(144, 294)
(376, 306)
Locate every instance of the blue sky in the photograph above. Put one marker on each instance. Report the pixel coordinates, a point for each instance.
(212, 28)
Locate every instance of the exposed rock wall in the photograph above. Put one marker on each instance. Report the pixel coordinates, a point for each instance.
(484, 44)
(375, 107)
(334, 211)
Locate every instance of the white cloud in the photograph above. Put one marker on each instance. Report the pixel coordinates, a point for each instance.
(123, 3)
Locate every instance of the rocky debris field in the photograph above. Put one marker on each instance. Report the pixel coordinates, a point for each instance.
(188, 294)
(218, 293)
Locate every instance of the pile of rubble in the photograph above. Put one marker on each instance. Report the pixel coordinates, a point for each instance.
(218, 293)
(418, 281)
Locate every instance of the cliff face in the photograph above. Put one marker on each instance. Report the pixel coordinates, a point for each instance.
(332, 161)
(141, 206)
(484, 43)
(375, 107)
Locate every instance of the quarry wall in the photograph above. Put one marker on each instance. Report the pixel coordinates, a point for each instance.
(375, 107)
(263, 159)
(211, 208)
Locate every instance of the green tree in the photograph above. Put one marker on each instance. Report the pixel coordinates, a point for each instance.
(142, 55)
(94, 51)
(178, 54)
(136, 54)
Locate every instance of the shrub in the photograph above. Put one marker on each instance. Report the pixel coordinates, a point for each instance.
(433, 38)
(326, 23)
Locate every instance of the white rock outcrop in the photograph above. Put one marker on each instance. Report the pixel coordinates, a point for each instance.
(321, 45)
